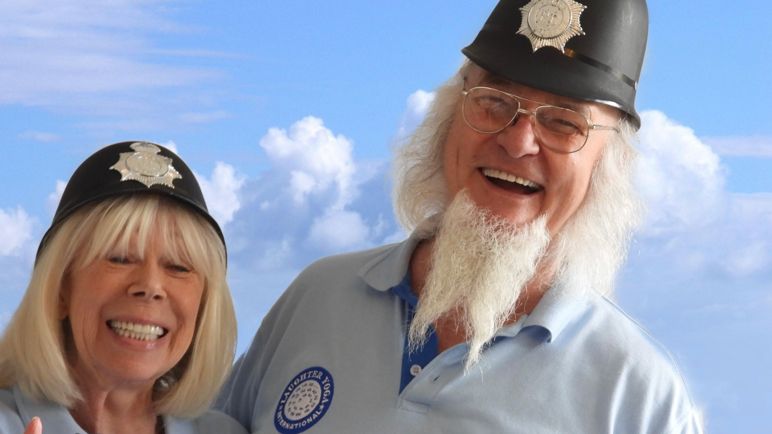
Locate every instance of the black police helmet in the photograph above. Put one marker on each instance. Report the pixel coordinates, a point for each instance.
(130, 168)
(586, 49)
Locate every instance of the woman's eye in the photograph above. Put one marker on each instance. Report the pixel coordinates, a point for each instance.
(179, 268)
(118, 259)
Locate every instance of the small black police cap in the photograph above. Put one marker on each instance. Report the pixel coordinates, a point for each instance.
(586, 49)
(130, 168)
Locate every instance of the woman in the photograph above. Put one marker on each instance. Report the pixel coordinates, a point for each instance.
(127, 325)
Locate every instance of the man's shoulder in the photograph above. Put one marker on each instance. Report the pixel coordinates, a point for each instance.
(346, 265)
(618, 323)
(359, 257)
(625, 340)
(650, 372)
(334, 278)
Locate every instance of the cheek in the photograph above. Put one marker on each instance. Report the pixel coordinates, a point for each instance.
(581, 180)
(75, 304)
(457, 156)
(188, 306)
(574, 181)
(84, 321)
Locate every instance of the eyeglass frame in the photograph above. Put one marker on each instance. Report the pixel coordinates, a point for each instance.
(590, 126)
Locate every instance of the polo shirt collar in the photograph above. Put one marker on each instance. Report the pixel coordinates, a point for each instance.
(389, 266)
(552, 314)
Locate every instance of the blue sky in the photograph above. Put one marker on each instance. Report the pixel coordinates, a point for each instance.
(288, 112)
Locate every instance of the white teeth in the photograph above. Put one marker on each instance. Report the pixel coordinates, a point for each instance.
(142, 332)
(498, 174)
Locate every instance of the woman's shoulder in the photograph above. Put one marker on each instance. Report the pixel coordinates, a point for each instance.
(10, 419)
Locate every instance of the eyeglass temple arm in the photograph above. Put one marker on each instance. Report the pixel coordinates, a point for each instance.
(604, 127)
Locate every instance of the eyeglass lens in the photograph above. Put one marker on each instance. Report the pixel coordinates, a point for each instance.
(490, 110)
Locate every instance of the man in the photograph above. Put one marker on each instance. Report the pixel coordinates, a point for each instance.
(491, 317)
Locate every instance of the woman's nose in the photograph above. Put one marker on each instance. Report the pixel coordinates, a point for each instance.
(148, 283)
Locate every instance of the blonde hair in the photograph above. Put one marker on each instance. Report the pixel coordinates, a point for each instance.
(33, 347)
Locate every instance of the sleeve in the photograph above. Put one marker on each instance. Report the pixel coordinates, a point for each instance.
(243, 393)
(240, 394)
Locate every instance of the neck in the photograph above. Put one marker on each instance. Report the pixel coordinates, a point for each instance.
(115, 410)
(446, 328)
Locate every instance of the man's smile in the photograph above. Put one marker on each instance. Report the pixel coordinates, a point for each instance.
(511, 182)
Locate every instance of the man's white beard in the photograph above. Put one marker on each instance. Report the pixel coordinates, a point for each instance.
(479, 267)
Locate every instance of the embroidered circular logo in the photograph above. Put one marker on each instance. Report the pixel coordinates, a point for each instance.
(551, 23)
(304, 401)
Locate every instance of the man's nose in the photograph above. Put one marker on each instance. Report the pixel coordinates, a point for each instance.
(519, 138)
(148, 282)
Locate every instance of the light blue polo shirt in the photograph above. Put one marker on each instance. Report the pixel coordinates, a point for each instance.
(17, 410)
(329, 358)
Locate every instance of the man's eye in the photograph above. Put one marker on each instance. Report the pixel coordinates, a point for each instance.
(561, 125)
(493, 103)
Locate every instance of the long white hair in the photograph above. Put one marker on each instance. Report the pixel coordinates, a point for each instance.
(588, 251)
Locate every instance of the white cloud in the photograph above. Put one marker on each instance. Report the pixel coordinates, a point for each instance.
(339, 230)
(317, 159)
(15, 231)
(313, 201)
(39, 136)
(98, 58)
(755, 205)
(53, 199)
(418, 104)
(747, 241)
(694, 225)
(749, 258)
(203, 117)
(170, 145)
(52, 48)
(301, 184)
(679, 176)
(221, 192)
(742, 146)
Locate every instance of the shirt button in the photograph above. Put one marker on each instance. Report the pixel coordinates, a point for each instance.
(415, 370)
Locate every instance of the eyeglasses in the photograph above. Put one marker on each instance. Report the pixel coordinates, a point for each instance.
(489, 111)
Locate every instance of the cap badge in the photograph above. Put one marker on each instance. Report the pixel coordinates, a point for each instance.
(551, 23)
(146, 166)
